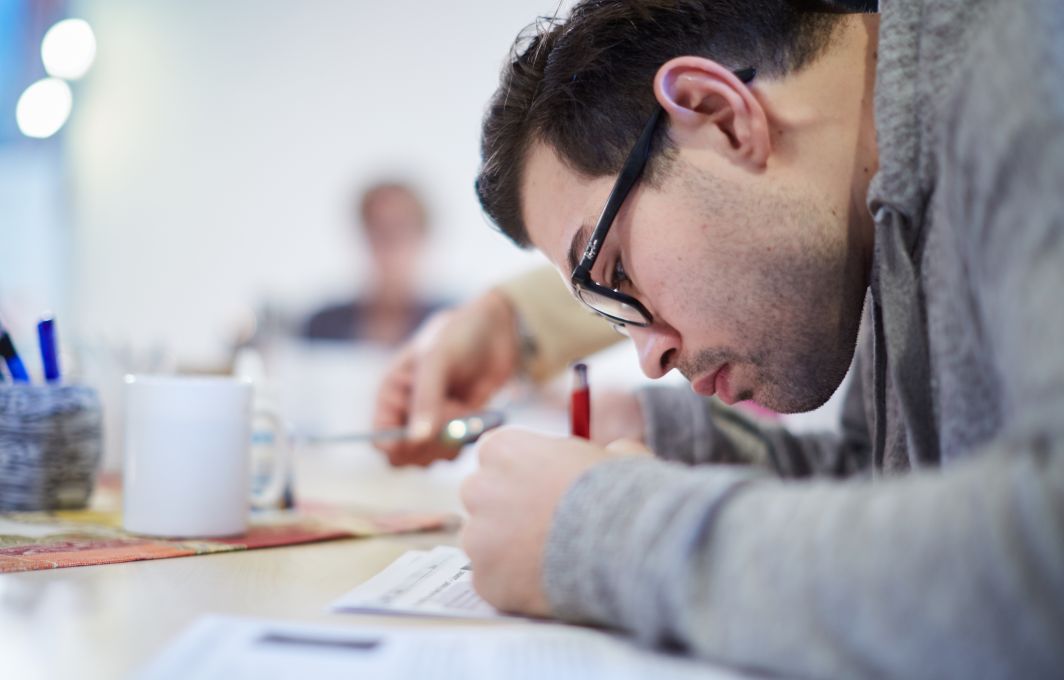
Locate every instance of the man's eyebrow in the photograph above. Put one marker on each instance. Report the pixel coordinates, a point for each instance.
(579, 242)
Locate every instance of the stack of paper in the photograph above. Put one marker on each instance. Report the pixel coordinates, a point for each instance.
(437, 582)
(223, 648)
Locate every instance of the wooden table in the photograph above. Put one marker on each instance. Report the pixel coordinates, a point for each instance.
(107, 621)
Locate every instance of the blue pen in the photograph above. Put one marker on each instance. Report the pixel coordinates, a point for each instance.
(49, 351)
(14, 364)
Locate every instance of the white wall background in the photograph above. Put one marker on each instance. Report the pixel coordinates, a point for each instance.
(34, 241)
(215, 144)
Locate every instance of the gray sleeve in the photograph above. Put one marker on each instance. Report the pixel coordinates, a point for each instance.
(684, 427)
(956, 574)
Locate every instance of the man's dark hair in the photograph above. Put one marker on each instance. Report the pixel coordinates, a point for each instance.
(584, 86)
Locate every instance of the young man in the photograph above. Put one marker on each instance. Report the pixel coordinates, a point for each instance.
(797, 165)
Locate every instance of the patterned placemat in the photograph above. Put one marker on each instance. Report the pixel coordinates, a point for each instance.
(40, 540)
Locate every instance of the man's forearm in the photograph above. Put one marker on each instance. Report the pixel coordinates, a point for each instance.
(684, 427)
(825, 579)
(561, 329)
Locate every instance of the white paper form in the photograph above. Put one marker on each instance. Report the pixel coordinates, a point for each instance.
(228, 648)
(437, 583)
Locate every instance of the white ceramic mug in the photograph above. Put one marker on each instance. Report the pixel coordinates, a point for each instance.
(187, 456)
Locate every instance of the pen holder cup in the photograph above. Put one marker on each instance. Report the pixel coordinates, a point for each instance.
(51, 440)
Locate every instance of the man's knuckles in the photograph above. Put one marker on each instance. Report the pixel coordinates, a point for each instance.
(507, 443)
(476, 492)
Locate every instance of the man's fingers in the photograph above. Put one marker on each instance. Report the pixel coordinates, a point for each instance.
(426, 400)
(480, 393)
(399, 453)
(393, 404)
(480, 493)
(469, 493)
(429, 454)
(475, 542)
(391, 408)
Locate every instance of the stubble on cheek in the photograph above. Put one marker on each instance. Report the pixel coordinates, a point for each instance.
(764, 291)
(800, 326)
(781, 303)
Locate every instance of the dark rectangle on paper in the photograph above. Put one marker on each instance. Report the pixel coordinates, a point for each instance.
(345, 644)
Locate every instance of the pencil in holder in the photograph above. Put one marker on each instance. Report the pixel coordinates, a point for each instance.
(51, 440)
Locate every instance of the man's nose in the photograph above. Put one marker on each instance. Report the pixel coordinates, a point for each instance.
(657, 345)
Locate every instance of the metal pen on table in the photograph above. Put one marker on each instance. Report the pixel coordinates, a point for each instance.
(456, 432)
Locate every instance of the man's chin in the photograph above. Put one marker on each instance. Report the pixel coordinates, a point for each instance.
(799, 399)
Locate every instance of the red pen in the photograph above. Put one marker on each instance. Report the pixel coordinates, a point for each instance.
(580, 406)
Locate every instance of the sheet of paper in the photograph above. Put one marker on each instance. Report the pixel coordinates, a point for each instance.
(226, 648)
(437, 582)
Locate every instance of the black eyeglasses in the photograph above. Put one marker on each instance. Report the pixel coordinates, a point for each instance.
(619, 309)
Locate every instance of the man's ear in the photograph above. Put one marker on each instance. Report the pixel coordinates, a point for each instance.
(709, 107)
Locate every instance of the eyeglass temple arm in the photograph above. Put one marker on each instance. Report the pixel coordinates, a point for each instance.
(629, 176)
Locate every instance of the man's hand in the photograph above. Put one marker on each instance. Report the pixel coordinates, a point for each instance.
(616, 414)
(511, 501)
(454, 364)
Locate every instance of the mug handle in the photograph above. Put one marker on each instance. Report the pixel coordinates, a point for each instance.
(269, 495)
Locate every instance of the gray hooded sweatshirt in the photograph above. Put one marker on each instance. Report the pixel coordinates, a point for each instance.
(926, 538)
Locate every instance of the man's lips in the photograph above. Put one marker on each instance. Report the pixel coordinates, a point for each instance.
(716, 383)
(707, 385)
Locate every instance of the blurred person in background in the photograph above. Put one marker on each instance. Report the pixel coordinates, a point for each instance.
(394, 221)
